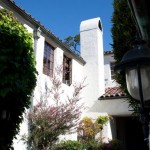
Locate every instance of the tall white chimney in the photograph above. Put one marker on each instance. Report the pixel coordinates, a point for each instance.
(91, 38)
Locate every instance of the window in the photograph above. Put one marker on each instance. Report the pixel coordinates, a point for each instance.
(48, 61)
(112, 65)
(67, 70)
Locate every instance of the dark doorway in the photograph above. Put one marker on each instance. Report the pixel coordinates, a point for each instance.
(129, 131)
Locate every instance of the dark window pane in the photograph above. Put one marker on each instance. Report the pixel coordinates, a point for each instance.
(67, 70)
(48, 59)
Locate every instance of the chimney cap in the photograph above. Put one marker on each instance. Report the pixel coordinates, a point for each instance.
(90, 24)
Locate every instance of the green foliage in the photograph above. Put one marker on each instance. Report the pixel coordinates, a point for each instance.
(92, 145)
(102, 120)
(68, 145)
(17, 74)
(73, 42)
(123, 35)
(74, 145)
(123, 30)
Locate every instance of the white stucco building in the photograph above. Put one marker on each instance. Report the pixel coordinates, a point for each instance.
(101, 96)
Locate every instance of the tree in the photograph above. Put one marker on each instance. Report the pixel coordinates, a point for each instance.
(123, 34)
(53, 116)
(73, 42)
(17, 75)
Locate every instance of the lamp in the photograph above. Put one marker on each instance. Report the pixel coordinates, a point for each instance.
(135, 67)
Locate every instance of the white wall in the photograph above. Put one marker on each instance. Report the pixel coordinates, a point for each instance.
(109, 82)
(39, 53)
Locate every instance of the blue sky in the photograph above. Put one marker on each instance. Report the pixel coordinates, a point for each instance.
(63, 17)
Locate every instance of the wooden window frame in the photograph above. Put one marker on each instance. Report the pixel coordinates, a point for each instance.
(67, 70)
(48, 59)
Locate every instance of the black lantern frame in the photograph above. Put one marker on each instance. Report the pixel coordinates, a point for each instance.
(134, 59)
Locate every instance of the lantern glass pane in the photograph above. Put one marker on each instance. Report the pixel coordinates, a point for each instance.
(132, 83)
(145, 79)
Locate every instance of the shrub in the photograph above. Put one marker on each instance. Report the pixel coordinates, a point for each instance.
(50, 120)
(92, 145)
(68, 145)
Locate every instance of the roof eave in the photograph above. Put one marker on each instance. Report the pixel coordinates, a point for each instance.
(112, 98)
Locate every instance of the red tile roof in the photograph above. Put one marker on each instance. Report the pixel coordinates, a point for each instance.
(108, 52)
(113, 93)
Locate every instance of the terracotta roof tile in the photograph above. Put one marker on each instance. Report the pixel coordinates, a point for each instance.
(113, 93)
(108, 52)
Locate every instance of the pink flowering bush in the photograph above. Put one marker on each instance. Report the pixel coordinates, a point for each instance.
(49, 121)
